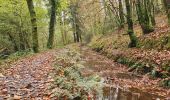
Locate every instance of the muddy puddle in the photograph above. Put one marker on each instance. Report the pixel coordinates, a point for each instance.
(112, 91)
(115, 92)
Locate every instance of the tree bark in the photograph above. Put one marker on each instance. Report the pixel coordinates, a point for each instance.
(34, 26)
(13, 42)
(132, 36)
(74, 35)
(52, 24)
(76, 23)
(145, 16)
(63, 27)
(152, 12)
(167, 9)
(121, 14)
(21, 36)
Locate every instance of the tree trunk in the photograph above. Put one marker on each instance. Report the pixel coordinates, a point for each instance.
(167, 9)
(152, 12)
(21, 35)
(132, 36)
(74, 35)
(145, 16)
(76, 23)
(52, 24)
(77, 37)
(121, 14)
(116, 13)
(147, 26)
(34, 26)
(13, 42)
(62, 31)
(63, 27)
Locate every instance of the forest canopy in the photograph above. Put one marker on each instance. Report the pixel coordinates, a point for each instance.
(40, 24)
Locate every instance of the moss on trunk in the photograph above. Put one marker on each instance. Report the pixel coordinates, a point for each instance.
(132, 36)
(52, 24)
(35, 44)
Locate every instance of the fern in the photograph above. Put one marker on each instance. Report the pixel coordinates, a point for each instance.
(69, 79)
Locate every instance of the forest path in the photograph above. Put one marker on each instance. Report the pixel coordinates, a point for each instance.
(30, 78)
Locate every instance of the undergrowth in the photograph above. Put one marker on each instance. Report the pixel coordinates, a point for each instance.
(68, 79)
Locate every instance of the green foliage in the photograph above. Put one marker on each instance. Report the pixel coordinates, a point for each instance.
(165, 83)
(62, 5)
(69, 79)
(19, 54)
(15, 26)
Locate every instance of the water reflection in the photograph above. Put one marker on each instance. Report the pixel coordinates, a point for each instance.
(115, 92)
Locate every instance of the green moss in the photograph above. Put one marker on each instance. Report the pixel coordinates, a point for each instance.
(148, 29)
(123, 60)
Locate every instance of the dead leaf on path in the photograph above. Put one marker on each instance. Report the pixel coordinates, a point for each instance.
(1, 75)
(16, 97)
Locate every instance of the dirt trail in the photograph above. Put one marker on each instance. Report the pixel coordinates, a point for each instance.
(29, 78)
